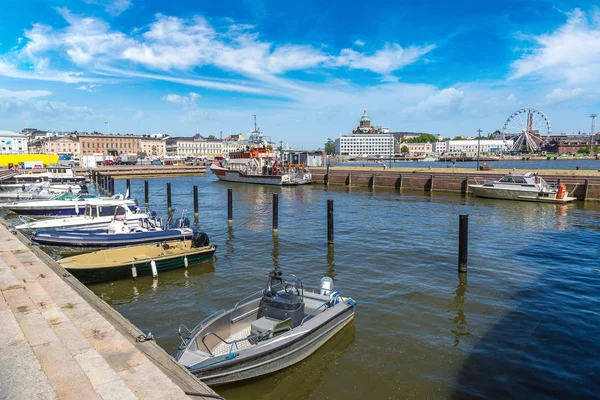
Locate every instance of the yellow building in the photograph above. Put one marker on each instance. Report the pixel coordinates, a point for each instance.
(153, 147)
(15, 159)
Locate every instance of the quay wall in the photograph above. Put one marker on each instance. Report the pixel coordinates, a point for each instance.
(585, 185)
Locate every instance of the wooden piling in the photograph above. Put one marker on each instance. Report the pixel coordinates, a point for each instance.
(169, 209)
(195, 203)
(229, 205)
(146, 194)
(330, 221)
(128, 188)
(463, 242)
(398, 184)
(586, 187)
(275, 212)
(327, 176)
(112, 186)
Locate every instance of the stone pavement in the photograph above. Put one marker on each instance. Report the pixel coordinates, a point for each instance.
(55, 344)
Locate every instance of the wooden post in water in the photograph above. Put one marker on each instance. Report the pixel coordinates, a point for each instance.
(275, 212)
(128, 188)
(229, 205)
(585, 189)
(327, 176)
(463, 242)
(146, 196)
(169, 209)
(196, 204)
(112, 186)
(329, 221)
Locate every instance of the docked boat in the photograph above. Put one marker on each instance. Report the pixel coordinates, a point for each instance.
(118, 233)
(527, 187)
(259, 164)
(281, 326)
(35, 191)
(95, 216)
(66, 204)
(52, 174)
(145, 259)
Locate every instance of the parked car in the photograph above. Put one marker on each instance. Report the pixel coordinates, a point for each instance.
(109, 162)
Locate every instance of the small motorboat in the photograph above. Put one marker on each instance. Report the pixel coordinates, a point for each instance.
(118, 233)
(66, 204)
(144, 259)
(526, 187)
(94, 217)
(280, 327)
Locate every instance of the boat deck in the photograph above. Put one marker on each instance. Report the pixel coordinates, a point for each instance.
(223, 348)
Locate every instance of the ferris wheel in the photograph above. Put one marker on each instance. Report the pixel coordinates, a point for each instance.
(526, 127)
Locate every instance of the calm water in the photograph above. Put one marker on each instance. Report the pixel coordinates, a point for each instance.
(525, 322)
(533, 165)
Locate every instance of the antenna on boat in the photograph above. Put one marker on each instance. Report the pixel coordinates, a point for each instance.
(254, 122)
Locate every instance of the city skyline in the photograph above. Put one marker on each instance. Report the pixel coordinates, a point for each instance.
(307, 70)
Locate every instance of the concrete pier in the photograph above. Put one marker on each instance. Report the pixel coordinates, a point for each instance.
(58, 340)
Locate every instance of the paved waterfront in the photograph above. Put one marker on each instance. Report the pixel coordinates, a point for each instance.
(53, 344)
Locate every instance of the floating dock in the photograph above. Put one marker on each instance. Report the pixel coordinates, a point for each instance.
(144, 171)
(58, 340)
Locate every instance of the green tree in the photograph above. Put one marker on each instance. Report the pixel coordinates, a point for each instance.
(459, 138)
(404, 150)
(329, 147)
(423, 138)
(269, 147)
(212, 137)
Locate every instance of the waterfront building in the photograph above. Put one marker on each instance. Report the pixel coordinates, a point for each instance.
(195, 146)
(108, 144)
(365, 144)
(439, 146)
(34, 134)
(13, 143)
(469, 147)
(60, 145)
(569, 144)
(153, 146)
(418, 148)
(229, 146)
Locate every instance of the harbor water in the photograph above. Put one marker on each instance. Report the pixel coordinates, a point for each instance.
(522, 323)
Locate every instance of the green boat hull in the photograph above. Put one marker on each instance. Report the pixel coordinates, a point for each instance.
(94, 275)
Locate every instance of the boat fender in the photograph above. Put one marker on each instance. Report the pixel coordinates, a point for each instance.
(153, 267)
(133, 271)
(334, 298)
(185, 262)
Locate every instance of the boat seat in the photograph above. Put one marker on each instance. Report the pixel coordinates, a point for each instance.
(266, 324)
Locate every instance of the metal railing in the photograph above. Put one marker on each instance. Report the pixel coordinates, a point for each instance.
(197, 328)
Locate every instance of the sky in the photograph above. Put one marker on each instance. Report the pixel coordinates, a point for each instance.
(307, 69)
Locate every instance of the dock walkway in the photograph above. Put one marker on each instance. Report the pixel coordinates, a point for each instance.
(57, 344)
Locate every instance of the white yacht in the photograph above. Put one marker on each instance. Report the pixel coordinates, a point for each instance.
(528, 187)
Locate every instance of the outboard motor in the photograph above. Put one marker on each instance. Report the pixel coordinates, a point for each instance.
(326, 285)
(281, 305)
(84, 189)
(178, 223)
(186, 223)
(200, 239)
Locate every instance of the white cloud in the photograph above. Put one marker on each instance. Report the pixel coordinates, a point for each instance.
(359, 43)
(113, 7)
(88, 88)
(391, 58)
(559, 95)
(188, 101)
(446, 98)
(511, 98)
(27, 104)
(571, 53)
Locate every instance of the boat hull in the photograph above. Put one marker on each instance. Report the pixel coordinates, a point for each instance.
(512, 194)
(124, 271)
(236, 176)
(79, 222)
(53, 211)
(277, 358)
(83, 238)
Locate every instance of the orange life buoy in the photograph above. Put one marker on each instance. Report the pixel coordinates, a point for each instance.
(562, 191)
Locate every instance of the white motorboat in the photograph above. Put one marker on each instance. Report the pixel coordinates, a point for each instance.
(41, 190)
(280, 326)
(527, 187)
(95, 216)
(66, 204)
(52, 174)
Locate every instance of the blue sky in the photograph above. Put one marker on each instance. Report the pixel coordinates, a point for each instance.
(307, 69)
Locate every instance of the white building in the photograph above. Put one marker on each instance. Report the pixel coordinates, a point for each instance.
(485, 146)
(365, 144)
(229, 146)
(439, 147)
(418, 148)
(195, 146)
(13, 143)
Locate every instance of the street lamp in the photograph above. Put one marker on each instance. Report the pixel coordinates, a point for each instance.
(593, 117)
(478, 146)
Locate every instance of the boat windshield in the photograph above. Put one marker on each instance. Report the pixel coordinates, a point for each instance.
(120, 213)
(278, 282)
(89, 211)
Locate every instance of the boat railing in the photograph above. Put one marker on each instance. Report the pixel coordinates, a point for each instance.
(246, 298)
(478, 180)
(234, 343)
(308, 316)
(198, 327)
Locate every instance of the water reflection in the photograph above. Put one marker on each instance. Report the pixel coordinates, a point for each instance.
(459, 303)
(330, 262)
(275, 251)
